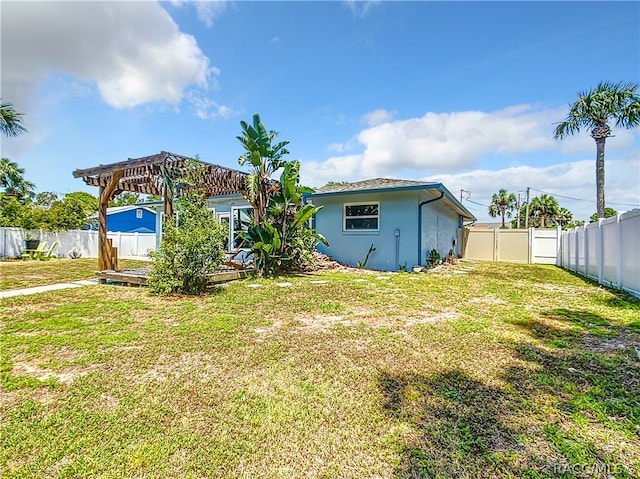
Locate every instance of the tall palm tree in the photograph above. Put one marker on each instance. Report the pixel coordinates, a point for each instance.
(503, 204)
(13, 182)
(10, 120)
(265, 158)
(617, 102)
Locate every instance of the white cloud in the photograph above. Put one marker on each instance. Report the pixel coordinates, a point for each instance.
(132, 51)
(377, 117)
(572, 183)
(360, 8)
(206, 108)
(452, 142)
(447, 147)
(208, 11)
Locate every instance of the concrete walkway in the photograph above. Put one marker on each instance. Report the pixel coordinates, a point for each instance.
(50, 287)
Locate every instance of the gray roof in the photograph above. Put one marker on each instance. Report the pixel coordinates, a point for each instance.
(379, 185)
(375, 184)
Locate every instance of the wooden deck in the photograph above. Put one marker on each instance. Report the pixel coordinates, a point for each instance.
(139, 277)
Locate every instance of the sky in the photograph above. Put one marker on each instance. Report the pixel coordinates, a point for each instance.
(463, 93)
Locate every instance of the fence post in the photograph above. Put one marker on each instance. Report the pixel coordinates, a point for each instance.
(577, 252)
(135, 244)
(600, 250)
(530, 239)
(620, 255)
(586, 253)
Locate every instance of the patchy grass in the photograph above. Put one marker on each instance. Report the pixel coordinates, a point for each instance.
(488, 370)
(25, 274)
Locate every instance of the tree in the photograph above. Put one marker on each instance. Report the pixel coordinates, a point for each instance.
(563, 217)
(10, 120)
(503, 204)
(265, 158)
(595, 109)
(544, 210)
(284, 242)
(13, 182)
(335, 183)
(279, 235)
(125, 198)
(193, 243)
(608, 213)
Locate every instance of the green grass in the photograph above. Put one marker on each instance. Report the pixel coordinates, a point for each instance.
(26, 274)
(505, 371)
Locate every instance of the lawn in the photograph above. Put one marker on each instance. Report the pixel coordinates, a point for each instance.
(26, 274)
(485, 370)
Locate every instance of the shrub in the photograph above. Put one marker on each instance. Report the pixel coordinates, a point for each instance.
(192, 247)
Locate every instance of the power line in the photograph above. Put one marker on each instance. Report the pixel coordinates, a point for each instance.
(581, 199)
(476, 203)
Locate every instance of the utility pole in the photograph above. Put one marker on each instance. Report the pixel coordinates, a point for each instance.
(526, 220)
(518, 208)
(464, 191)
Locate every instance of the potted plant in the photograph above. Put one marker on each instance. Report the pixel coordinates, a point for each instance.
(30, 242)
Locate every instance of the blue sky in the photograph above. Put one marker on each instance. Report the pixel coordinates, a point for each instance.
(460, 92)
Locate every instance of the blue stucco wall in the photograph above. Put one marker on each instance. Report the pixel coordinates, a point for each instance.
(398, 213)
(126, 222)
(440, 227)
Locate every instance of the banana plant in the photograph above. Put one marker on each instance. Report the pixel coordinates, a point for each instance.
(265, 158)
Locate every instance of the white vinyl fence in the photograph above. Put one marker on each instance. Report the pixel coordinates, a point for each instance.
(607, 251)
(130, 245)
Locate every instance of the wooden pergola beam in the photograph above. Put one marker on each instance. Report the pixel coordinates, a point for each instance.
(149, 175)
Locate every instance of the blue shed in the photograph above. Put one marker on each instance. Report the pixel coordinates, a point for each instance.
(403, 219)
(131, 219)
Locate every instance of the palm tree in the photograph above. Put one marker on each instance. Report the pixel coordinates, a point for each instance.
(563, 217)
(618, 102)
(13, 182)
(544, 207)
(10, 120)
(265, 159)
(502, 203)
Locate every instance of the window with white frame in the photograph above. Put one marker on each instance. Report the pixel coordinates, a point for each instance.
(139, 213)
(361, 216)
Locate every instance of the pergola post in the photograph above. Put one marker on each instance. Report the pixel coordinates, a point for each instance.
(107, 256)
(152, 175)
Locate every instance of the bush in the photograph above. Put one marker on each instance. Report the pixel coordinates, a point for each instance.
(192, 248)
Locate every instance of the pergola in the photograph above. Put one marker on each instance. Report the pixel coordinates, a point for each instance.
(152, 175)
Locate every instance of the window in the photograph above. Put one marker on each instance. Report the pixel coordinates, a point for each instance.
(223, 219)
(361, 216)
(139, 213)
(242, 218)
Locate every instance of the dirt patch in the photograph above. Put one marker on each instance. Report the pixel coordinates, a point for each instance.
(324, 321)
(195, 365)
(488, 299)
(66, 375)
(625, 340)
(428, 318)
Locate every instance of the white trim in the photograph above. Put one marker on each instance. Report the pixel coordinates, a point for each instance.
(359, 203)
(227, 215)
(232, 238)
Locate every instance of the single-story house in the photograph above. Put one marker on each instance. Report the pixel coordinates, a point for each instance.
(130, 219)
(404, 220)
